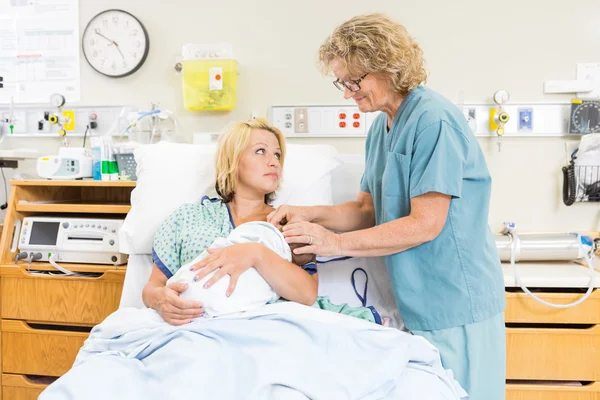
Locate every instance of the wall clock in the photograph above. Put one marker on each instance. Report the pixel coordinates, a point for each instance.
(115, 43)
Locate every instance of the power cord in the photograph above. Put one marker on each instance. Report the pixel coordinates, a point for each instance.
(33, 257)
(21, 256)
(87, 128)
(5, 205)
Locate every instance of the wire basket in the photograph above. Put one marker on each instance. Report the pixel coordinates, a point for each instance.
(581, 183)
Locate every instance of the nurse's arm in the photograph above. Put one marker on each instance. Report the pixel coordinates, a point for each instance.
(345, 217)
(428, 213)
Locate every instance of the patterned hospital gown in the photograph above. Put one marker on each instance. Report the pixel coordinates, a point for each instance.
(188, 231)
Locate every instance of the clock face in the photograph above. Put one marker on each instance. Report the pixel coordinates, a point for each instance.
(585, 117)
(115, 43)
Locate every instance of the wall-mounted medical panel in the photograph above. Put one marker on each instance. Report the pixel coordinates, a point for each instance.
(524, 120)
(39, 121)
(321, 121)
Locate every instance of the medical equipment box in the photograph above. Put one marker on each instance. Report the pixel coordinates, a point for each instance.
(69, 163)
(209, 85)
(72, 240)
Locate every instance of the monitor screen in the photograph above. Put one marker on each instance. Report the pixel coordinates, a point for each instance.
(44, 233)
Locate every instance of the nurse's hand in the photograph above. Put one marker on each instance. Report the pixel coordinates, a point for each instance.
(232, 260)
(317, 239)
(283, 215)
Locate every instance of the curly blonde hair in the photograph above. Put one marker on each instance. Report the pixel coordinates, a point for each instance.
(374, 43)
(231, 144)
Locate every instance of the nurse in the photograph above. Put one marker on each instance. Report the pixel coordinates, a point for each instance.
(423, 204)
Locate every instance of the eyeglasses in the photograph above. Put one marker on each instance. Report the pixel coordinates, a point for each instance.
(353, 86)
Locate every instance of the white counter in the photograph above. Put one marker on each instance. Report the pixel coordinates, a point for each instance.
(551, 274)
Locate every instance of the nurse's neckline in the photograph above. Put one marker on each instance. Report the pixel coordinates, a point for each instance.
(389, 123)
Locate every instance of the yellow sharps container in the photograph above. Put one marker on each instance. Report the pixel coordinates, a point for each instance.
(209, 85)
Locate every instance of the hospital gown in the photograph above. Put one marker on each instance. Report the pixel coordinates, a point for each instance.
(451, 287)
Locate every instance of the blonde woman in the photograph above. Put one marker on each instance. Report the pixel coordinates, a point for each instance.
(249, 164)
(423, 203)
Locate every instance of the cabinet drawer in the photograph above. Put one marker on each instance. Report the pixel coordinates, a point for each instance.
(553, 354)
(59, 299)
(38, 351)
(522, 308)
(20, 387)
(552, 392)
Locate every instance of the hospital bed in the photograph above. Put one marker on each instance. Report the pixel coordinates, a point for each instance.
(342, 181)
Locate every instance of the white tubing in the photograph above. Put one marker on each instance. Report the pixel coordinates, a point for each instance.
(544, 302)
(61, 269)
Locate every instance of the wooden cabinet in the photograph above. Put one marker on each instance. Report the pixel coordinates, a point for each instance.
(590, 391)
(553, 354)
(44, 319)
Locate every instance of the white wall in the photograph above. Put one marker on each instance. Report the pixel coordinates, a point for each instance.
(469, 46)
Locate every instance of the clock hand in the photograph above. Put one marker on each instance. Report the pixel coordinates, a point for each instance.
(118, 48)
(99, 34)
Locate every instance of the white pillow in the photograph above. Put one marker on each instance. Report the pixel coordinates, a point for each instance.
(169, 174)
(307, 175)
(172, 174)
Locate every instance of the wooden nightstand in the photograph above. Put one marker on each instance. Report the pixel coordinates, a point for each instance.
(45, 319)
(553, 354)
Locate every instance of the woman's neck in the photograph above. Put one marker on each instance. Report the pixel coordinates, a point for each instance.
(392, 106)
(245, 207)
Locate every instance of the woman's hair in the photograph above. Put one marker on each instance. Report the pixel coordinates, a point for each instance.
(374, 43)
(231, 144)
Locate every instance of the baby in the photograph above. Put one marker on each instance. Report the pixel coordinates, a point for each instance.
(252, 290)
(302, 259)
(299, 259)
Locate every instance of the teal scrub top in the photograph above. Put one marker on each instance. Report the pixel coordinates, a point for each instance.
(455, 279)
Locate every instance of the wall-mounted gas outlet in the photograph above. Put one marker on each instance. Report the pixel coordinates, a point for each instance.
(301, 120)
(525, 119)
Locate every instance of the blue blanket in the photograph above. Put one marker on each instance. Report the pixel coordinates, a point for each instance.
(281, 351)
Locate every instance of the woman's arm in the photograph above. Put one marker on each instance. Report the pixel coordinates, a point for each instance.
(287, 279)
(426, 220)
(166, 300)
(359, 214)
(156, 281)
(346, 217)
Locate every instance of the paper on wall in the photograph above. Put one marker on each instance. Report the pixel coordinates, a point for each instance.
(39, 50)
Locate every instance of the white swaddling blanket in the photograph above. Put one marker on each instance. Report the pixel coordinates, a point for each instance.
(252, 290)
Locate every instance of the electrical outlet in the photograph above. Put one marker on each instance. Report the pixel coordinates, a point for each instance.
(301, 120)
(471, 117)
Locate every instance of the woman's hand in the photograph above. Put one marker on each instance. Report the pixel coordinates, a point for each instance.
(317, 239)
(288, 214)
(231, 260)
(172, 308)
